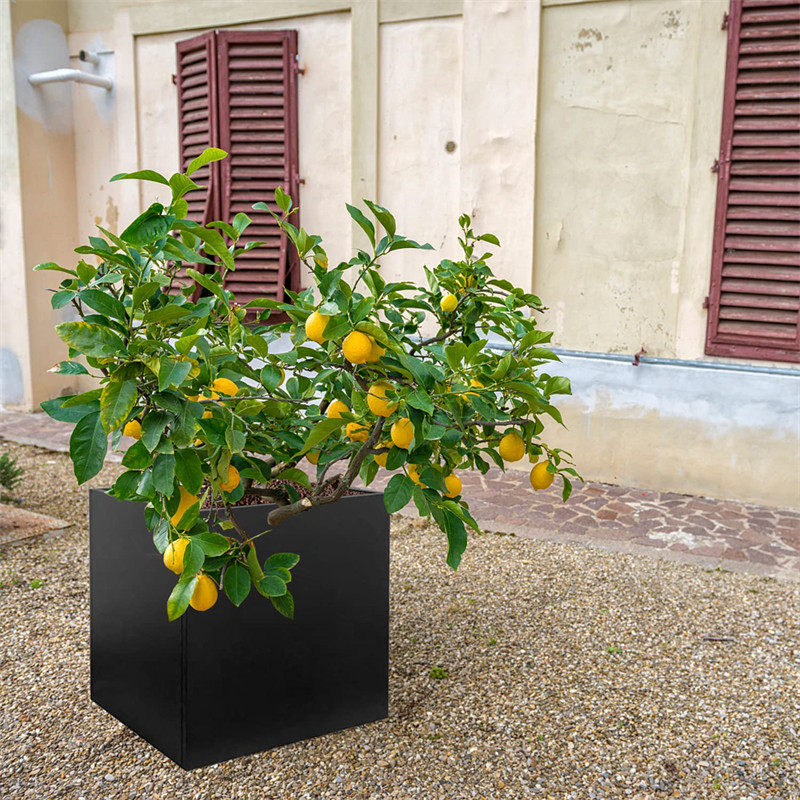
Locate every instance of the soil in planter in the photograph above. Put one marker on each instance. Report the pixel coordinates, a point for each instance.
(276, 486)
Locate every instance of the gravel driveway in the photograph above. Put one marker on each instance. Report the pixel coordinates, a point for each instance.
(564, 672)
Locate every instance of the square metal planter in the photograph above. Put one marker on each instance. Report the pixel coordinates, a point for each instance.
(233, 681)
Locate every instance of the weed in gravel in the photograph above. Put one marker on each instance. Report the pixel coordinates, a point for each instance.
(438, 673)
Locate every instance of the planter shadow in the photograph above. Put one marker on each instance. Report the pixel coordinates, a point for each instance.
(234, 681)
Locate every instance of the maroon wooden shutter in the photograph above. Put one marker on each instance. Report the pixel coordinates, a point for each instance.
(196, 79)
(258, 128)
(754, 300)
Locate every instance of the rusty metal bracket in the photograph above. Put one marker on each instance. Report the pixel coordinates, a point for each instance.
(637, 356)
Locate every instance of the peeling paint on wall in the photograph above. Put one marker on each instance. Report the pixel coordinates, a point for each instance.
(41, 45)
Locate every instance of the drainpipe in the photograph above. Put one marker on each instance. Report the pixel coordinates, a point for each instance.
(60, 75)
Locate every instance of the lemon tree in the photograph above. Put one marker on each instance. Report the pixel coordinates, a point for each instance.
(380, 377)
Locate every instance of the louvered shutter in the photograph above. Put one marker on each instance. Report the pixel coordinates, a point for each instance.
(754, 300)
(196, 79)
(258, 128)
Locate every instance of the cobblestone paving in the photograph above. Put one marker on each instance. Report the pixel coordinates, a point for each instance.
(719, 533)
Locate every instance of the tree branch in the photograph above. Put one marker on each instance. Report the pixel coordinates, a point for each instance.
(278, 515)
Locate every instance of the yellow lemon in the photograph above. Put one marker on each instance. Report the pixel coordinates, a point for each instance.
(336, 408)
(214, 396)
(315, 327)
(449, 303)
(376, 352)
(512, 447)
(357, 347)
(187, 500)
(381, 457)
(232, 480)
(377, 402)
(356, 432)
(205, 593)
(413, 473)
(453, 484)
(133, 429)
(540, 477)
(313, 456)
(225, 386)
(402, 433)
(173, 555)
(476, 384)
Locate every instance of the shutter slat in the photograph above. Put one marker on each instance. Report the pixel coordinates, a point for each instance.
(762, 168)
(788, 13)
(766, 108)
(770, 31)
(744, 296)
(767, 47)
(746, 331)
(773, 230)
(773, 76)
(789, 91)
(760, 286)
(764, 199)
(784, 245)
(771, 315)
(767, 139)
(781, 213)
(742, 256)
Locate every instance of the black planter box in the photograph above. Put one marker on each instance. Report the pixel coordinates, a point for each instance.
(233, 681)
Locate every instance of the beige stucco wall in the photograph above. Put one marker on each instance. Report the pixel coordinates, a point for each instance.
(629, 125)
(46, 164)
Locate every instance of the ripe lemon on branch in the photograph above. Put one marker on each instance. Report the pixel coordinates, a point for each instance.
(173, 555)
(356, 432)
(512, 447)
(205, 593)
(449, 303)
(357, 347)
(232, 481)
(336, 409)
(184, 504)
(540, 477)
(402, 433)
(315, 327)
(133, 428)
(376, 399)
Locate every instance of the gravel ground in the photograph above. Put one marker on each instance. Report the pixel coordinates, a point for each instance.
(565, 672)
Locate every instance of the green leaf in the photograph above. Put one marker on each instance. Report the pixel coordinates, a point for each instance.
(82, 399)
(166, 314)
(152, 428)
(144, 292)
(285, 560)
(60, 299)
(103, 302)
(147, 227)
(173, 372)
(321, 431)
(363, 222)
(284, 604)
(397, 493)
(164, 473)
(181, 185)
(419, 399)
(294, 475)
(237, 583)
(489, 237)
(207, 283)
(206, 157)
(117, 402)
(271, 377)
(69, 368)
(235, 440)
(383, 216)
(53, 408)
(179, 598)
(272, 586)
(456, 538)
(253, 567)
(141, 175)
(193, 558)
(90, 339)
(137, 456)
(213, 544)
(87, 447)
(50, 265)
(189, 470)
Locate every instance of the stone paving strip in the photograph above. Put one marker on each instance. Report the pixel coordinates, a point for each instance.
(539, 670)
(17, 523)
(723, 534)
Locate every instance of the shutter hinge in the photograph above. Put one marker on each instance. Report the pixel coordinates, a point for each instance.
(174, 79)
(297, 179)
(297, 68)
(705, 302)
(726, 18)
(715, 165)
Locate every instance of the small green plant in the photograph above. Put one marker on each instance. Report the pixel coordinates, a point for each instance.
(36, 584)
(438, 673)
(492, 641)
(613, 649)
(10, 477)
